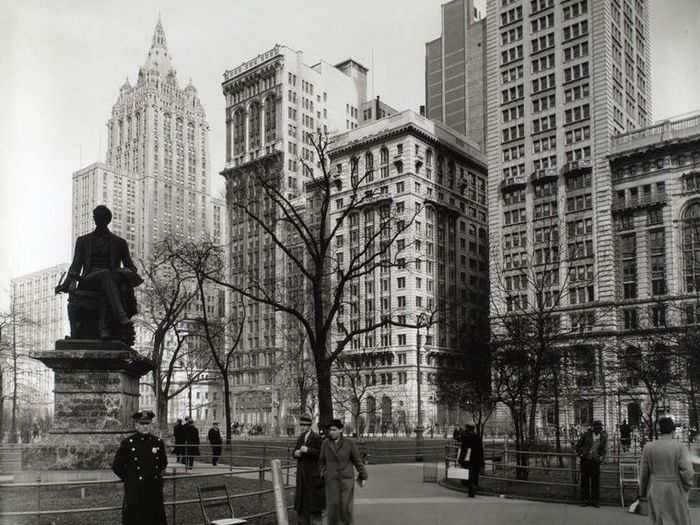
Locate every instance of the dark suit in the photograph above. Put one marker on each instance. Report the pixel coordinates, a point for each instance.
(214, 437)
(97, 264)
(191, 435)
(591, 458)
(471, 456)
(309, 498)
(139, 463)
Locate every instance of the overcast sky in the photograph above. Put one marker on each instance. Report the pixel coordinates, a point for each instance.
(62, 63)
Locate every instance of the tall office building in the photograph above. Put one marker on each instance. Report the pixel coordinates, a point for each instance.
(656, 218)
(156, 173)
(41, 320)
(564, 76)
(272, 103)
(425, 174)
(455, 72)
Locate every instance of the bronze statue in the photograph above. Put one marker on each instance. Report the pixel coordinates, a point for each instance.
(100, 284)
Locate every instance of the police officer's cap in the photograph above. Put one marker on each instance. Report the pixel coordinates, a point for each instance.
(144, 415)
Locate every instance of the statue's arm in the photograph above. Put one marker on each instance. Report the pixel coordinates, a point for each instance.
(127, 261)
(74, 269)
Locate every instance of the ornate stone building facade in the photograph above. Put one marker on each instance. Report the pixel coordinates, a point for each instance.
(433, 178)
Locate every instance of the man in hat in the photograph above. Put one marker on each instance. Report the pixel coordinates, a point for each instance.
(140, 463)
(336, 461)
(179, 439)
(471, 456)
(309, 499)
(591, 447)
(191, 443)
(214, 437)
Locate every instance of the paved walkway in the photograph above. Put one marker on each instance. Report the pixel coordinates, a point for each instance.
(396, 495)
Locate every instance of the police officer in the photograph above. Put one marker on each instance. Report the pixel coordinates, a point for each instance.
(140, 463)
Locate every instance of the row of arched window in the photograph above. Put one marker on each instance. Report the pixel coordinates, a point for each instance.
(255, 120)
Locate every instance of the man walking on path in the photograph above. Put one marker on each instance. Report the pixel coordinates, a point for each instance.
(178, 435)
(191, 435)
(591, 447)
(140, 462)
(471, 456)
(214, 437)
(338, 456)
(309, 498)
(666, 477)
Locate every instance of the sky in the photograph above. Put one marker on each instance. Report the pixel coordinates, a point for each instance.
(62, 63)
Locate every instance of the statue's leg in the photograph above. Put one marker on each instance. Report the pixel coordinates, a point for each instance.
(111, 291)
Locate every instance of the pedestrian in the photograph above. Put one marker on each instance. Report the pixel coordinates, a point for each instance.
(666, 477)
(309, 498)
(214, 437)
(457, 434)
(336, 461)
(191, 442)
(591, 447)
(179, 440)
(140, 462)
(471, 456)
(625, 436)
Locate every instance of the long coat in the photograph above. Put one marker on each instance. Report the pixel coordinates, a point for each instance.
(336, 462)
(665, 478)
(191, 440)
(179, 435)
(139, 463)
(309, 496)
(471, 444)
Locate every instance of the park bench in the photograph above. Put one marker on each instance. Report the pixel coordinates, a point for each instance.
(217, 496)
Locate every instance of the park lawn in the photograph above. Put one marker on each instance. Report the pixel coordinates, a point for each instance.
(110, 494)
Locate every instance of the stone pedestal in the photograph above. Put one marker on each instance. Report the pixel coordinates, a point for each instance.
(96, 392)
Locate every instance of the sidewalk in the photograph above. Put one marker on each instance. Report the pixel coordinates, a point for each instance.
(396, 495)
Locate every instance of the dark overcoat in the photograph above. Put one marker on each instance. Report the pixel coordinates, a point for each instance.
(191, 443)
(665, 478)
(336, 463)
(140, 463)
(309, 497)
(179, 435)
(471, 447)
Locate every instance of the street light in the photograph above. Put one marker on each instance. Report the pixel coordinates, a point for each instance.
(421, 321)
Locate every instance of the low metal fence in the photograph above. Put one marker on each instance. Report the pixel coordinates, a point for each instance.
(99, 501)
(550, 475)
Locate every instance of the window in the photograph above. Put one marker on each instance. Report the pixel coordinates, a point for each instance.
(691, 247)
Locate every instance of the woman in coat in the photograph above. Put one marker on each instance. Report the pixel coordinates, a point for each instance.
(336, 461)
(666, 476)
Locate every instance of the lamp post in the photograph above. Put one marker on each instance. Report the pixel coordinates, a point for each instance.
(419, 414)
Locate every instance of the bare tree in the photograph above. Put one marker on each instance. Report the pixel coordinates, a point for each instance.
(355, 382)
(302, 232)
(535, 344)
(167, 298)
(221, 332)
(297, 374)
(466, 383)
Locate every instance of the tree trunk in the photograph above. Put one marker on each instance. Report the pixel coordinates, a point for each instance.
(557, 426)
(325, 400)
(162, 409)
(227, 406)
(2, 403)
(13, 424)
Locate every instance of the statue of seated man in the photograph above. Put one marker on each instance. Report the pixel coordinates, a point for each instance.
(100, 283)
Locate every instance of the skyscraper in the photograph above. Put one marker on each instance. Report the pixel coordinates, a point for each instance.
(563, 77)
(455, 71)
(156, 174)
(274, 102)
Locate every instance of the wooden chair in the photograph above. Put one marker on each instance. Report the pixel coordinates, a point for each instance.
(213, 497)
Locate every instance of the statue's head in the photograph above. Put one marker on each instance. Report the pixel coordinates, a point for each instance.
(102, 215)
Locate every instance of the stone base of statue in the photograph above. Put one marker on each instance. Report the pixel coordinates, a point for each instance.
(96, 392)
